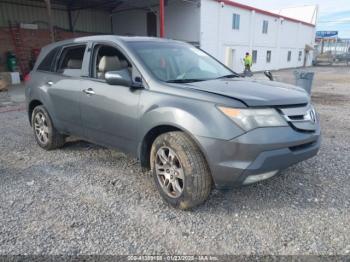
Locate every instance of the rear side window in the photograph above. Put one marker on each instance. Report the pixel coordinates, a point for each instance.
(71, 61)
(48, 61)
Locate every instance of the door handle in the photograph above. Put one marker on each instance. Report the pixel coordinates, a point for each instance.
(50, 83)
(89, 91)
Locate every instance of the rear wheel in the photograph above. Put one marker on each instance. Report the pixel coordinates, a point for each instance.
(180, 170)
(45, 133)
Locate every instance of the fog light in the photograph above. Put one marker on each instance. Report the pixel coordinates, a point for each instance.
(256, 178)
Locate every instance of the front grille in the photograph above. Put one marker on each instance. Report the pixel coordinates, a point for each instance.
(296, 118)
(301, 118)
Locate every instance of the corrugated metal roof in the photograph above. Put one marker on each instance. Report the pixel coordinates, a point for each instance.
(23, 11)
(106, 5)
(88, 15)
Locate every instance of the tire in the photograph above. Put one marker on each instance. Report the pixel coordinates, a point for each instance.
(188, 163)
(49, 138)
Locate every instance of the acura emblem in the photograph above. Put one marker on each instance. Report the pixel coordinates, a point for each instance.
(310, 115)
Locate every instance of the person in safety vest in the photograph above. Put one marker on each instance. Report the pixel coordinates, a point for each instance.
(248, 61)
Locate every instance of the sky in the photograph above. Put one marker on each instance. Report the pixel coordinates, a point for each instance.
(334, 15)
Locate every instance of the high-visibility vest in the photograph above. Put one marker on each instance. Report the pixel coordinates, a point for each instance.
(248, 60)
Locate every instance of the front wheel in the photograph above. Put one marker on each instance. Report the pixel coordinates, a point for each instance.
(180, 170)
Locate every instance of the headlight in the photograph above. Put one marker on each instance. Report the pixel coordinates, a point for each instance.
(249, 119)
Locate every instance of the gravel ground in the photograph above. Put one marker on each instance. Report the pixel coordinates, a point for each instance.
(85, 199)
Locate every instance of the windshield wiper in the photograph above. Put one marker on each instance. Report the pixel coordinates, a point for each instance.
(199, 80)
(185, 80)
(229, 76)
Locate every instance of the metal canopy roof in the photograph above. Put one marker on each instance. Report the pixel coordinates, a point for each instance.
(107, 5)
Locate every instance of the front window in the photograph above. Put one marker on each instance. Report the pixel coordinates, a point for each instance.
(107, 58)
(178, 62)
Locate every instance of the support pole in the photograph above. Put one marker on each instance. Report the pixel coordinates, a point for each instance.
(70, 20)
(161, 18)
(111, 20)
(49, 14)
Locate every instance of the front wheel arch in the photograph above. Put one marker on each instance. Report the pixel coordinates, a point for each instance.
(194, 185)
(147, 141)
(150, 137)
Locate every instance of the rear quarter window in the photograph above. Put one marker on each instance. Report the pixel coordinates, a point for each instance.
(48, 62)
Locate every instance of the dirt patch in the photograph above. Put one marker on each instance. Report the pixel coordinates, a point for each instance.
(343, 80)
(329, 99)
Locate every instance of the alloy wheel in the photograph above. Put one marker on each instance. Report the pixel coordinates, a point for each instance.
(41, 128)
(169, 172)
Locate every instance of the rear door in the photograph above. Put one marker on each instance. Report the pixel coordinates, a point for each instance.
(66, 87)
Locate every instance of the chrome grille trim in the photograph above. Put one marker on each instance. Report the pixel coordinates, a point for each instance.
(302, 118)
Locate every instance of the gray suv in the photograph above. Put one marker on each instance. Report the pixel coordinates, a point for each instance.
(191, 120)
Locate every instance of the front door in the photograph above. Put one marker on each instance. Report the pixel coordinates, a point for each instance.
(109, 112)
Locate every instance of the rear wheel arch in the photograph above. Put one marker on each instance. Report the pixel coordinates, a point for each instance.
(33, 104)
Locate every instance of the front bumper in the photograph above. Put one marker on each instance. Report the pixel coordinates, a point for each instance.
(261, 152)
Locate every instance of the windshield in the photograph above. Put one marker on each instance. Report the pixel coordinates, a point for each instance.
(179, 63)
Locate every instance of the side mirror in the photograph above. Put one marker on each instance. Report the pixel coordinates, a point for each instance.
(120, 77)
(268, 74)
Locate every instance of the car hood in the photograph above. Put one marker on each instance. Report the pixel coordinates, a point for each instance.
(254, 92)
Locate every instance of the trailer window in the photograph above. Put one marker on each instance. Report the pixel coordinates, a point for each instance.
(268, 56)
(254, 56)
(265, 26)
(300, 55)
(236, 21)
